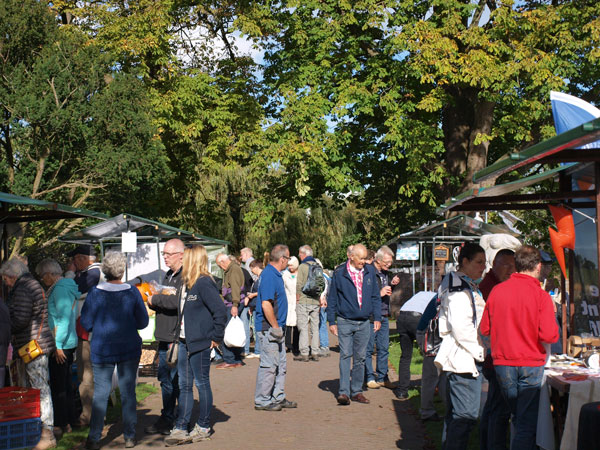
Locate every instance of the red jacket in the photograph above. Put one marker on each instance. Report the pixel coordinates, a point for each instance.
(519, 317)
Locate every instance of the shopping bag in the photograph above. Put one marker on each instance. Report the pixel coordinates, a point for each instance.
(235, 334)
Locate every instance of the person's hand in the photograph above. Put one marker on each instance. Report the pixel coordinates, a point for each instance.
(395, 280)
(149, 297)
(246, 301)
(386, 290)
(323, 302)
(213, 344)
(376, 326)
(276, 334)
(234, 311)
(60, 356)
(333, 329)
(71, 266)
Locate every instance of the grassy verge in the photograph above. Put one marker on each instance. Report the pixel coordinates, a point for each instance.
(433, 430)
(113, 414)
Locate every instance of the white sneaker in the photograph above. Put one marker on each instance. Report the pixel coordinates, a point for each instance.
(177, 437)
(198, 434)
(252, 355)
(373, 384)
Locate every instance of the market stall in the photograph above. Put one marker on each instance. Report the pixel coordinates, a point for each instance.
(574, 200)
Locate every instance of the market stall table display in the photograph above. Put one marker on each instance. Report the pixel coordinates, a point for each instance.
(570, 376)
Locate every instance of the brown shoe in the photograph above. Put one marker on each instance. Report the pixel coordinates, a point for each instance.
(359, 398)
(225, 365)
(47, 440)
(343, 399)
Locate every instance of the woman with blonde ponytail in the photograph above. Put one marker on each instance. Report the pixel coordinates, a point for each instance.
(203, 318)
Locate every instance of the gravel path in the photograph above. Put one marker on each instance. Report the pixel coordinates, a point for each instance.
(317, 423)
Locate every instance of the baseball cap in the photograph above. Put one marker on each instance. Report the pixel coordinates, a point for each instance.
(546, 258)
(87, 250)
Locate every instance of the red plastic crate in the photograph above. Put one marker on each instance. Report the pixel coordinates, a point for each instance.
(17, 403)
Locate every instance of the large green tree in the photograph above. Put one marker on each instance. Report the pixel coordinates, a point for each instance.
(74, 129)
(408, 99)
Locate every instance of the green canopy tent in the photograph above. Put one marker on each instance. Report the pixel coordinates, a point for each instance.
(108, 234)
(15, 209)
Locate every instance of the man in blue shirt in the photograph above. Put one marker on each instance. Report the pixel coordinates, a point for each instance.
(271, 314)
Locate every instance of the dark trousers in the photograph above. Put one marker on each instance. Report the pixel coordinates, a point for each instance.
(406, 324)
(292, 339)
(495, 417)
(63, 392)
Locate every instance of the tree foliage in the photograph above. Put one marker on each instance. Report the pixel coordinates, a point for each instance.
(381, 110)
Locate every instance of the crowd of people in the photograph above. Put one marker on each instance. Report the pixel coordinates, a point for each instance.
(498, 328)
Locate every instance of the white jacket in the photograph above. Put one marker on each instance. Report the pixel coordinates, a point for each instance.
(289, 281)
(461, 345)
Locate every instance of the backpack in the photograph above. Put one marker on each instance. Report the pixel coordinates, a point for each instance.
(248, 281)
(428, 330)
(428, 333)
(315, 283)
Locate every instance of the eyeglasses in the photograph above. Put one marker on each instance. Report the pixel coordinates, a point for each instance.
(165, 254)
(287, 258)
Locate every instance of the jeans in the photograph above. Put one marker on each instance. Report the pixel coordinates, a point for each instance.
(406, 324)
(323, 329)
(520, 387)
(463, 398)
(381, 340)
(63, 393)
(270, 379)
(308, 326)
(256, 339)
(495, 417)
(127, 372)
(353, 337)
(231, 355)
(169, 384)
(190, 369)
(245, 316)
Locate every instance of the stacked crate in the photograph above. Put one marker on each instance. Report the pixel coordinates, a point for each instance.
(20, 424)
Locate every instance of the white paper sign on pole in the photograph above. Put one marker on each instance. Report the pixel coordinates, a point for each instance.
(129, 242)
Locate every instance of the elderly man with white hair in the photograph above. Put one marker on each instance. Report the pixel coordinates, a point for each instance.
(166, 307)
(381, 340)
(29, 320)
(353, 297)
(308, 306)
(233, 291)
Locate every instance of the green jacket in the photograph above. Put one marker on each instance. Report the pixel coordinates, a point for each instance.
(301, 281)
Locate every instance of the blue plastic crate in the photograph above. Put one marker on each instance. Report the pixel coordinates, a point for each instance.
(20, 433)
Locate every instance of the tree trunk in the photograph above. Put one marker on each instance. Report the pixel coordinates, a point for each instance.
(477, 154)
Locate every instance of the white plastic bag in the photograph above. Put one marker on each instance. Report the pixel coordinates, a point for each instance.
(235, 335)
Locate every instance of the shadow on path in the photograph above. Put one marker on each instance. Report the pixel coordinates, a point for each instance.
(332, 386)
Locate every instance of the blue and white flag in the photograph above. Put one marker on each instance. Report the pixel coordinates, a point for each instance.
(570, 112)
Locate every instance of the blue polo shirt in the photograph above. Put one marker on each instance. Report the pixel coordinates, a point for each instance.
(271, 288)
